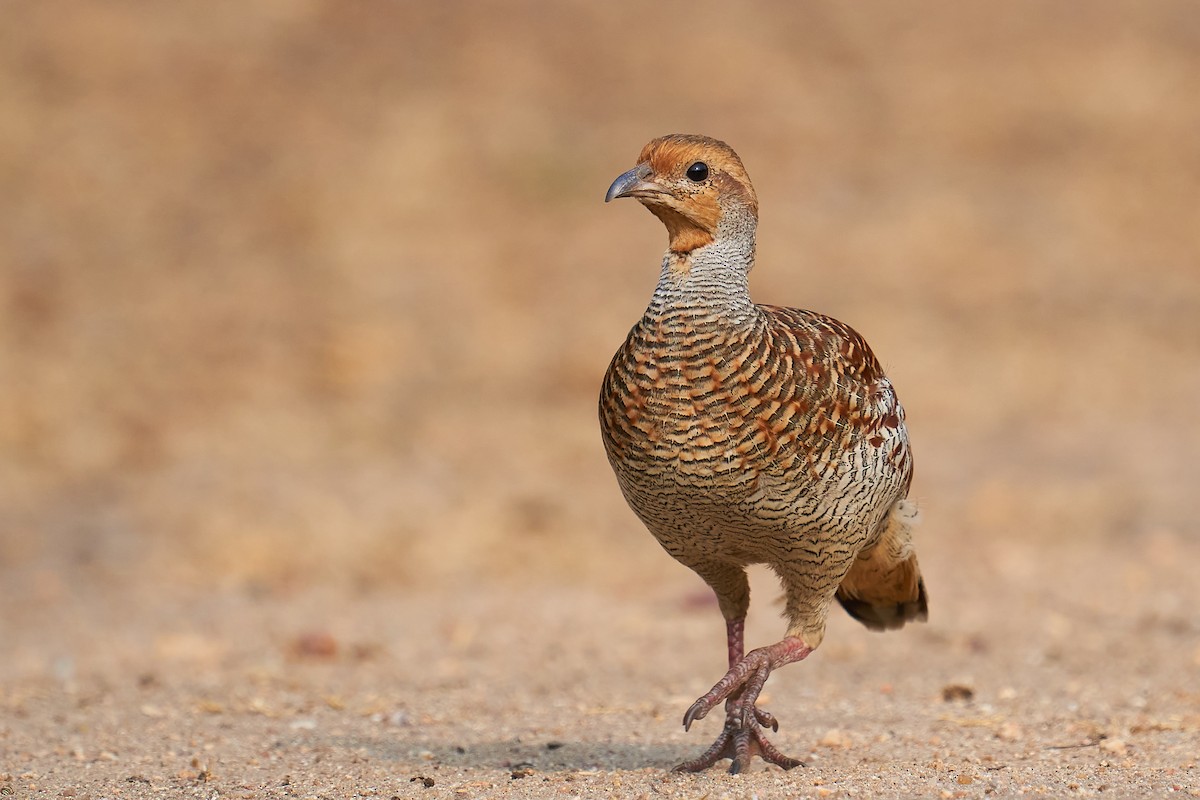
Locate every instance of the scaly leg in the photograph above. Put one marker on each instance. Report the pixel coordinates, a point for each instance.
(735, 632)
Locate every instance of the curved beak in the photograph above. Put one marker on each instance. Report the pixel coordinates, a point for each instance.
(631, 182)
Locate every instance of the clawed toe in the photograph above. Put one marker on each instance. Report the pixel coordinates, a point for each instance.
(771, 753)
(697, 710)
(766, 719)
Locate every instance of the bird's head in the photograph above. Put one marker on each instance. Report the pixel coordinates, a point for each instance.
(696, 185)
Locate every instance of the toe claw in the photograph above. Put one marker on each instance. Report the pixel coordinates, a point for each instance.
(767, 719)
(718, 750)
(698, 710)
(771, 753)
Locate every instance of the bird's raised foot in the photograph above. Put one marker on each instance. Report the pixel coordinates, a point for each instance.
(745, 680)
(740, 744)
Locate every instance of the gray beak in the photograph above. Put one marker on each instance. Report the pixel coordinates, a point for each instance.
(630, 182)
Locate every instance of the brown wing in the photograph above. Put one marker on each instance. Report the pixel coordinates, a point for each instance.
(844, 393)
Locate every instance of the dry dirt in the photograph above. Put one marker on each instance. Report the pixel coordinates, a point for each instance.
(303, 310)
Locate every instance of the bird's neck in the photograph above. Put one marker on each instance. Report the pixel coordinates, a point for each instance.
(711, 281)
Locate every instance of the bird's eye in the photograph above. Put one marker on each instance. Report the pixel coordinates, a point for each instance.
(698, 171)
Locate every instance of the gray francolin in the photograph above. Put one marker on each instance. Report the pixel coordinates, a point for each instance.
(746, 434)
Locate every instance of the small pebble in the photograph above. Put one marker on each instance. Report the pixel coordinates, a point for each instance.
(957, 692)
(836, 738)
(314, 644)
(1009, 732)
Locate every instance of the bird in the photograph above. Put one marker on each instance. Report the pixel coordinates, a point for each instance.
(754, 434)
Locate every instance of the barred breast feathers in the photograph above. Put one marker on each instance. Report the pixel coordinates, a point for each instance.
(790, 386)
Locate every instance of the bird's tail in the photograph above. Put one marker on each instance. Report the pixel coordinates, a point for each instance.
(884, 589)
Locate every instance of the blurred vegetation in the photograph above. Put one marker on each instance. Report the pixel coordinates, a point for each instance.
(324, 290)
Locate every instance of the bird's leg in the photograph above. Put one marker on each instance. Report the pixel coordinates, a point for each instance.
(742, 737)
(735, 631)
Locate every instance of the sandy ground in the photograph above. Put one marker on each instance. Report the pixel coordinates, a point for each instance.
(1029, 679)
(303, 312)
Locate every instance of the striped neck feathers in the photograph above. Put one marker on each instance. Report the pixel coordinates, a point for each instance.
(713, 277)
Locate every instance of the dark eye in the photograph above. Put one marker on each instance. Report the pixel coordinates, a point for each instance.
(698, 171)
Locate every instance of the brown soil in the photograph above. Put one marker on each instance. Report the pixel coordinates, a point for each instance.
(303, 309)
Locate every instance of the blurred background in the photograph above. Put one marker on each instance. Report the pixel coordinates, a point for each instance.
(322, 292)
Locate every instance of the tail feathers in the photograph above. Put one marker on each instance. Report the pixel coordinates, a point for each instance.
(884, 589)
(881, 614)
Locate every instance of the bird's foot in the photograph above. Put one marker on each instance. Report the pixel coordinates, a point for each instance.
(741, 740)
(743, 737)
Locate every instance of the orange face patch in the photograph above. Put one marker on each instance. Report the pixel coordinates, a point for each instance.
(692, 210)
(670, 156)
